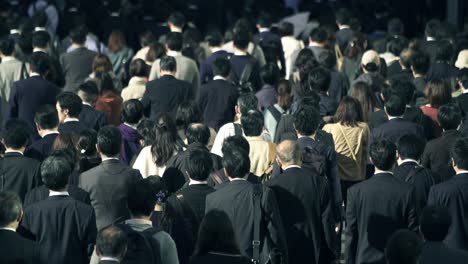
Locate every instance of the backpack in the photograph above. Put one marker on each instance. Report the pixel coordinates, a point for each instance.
(142, 248)
(237, 129)
(312, 157)
(285, 129)
(242, 82)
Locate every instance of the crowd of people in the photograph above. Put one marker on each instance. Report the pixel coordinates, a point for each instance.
(255, 144)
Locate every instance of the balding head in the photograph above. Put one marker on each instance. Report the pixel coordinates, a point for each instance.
(197, 133)
(288, 153)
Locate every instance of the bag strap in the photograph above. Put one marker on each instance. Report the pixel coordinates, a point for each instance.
(416, 169)
(348, 144)
(2, 174)
(245, 75)
(237, 129)
(217, 178)
(257, 195)
(275, 113)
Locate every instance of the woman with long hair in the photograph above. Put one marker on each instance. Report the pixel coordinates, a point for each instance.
(109, 100)
(353, 54)
(438, 93)
(273, 113)
(362, 92)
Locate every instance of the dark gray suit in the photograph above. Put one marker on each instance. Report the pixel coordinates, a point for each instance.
(437, 252)
(76, 65)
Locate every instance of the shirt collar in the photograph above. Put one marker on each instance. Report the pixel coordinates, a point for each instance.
(86, 103)
(219, 77)
(462, 172)
(111, 158)
(343, 26)
(71, 119)
(14, 151)
(195, 182)
(315, 44)
(263, 30)
(50, 133)
(129, 125)
(465, 91)
(110, 258)
(240, 53)
(292, 166)
(407, 161)
(36, 49)
(8, 228)
(173, 53)
(40, 29)
(430, 39)
(139, 221)
(8, 58)
(34, 74)
(238, 179)
(215, 49)
(54, 193)
(377, 171)
(394, 117)
(15, 31)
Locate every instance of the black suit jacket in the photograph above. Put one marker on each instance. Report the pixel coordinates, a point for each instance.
(165, 95)
(41, 193)
(16, 249)
(206, 70)
(343, 36)
(453, 195)
(64, 228)
(107, 185)
(437, 252)
(462, 101)
(376, 208)
(194, 196)
(92, 118)
(41, 148)
(236, 199)
(395, 128)
(21, 173)
(412, 114)
(306, 210)
(72, 127)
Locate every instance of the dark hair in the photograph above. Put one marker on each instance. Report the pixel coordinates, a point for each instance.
(438, 93)
(78, 35)
(109, 140)
(236, 163)
(449, 116)
(187, 113)
(459, 153)
(420, 62)
(165, 139)
(55, 172)
(145, 130)
(383, 154)
(362, 92)
(174, 41)
(87, 142)
(67, 144)
(395, 106)
(40, 39)
(463, 77)
(156, 51)
(235, 142)
(403, 247)
(327, 59)
(146, 38)
(252, 123)
(319, 35)
(397, 45)
(10, 208)
(177, 19)
(199, 165)
(435, 223)
(138, 68)
(15, 134)
(40, 63)
(410, 146)
(349, 112)
(116, 41)
(7, 46)
(168, 63)
(132, 111)
(46, 117)
(343, 16)
(241, 38)
(356, 46)
(141, 198)
(265, 20)
(111, 241)
(101, 64)
(432, 27)
(221, 66)
(444, 51)
(319, 79)
(283, 89)
(214, 38)
(247, 102)
(71, 102)
(270, 74)
(305, 62)
(395, 27)
(197, 133)
(401, 87)
(307, 120)
(286, 29)
(216, 233)
(88, 91)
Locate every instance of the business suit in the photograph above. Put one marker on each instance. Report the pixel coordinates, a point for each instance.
(430, 47)
(236, 200)
(41, 193)
(436, 252)
(238, 64)
(71, 127)
(376, 208)
(194, 196)
(10, 72)
(412, 114)
(206, 68)
(395, 128)
(16, 249)
(165, 95)
(305, 206)
(76, 65)
(41, 148)
(107, 185)
(343, 36)
(217, 100)
(91, 118)
(452, 194)
(218, 179)
(65, 229)
(56, 75)
(268, 41)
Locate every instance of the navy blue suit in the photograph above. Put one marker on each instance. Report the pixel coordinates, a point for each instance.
(92, 118)
(268, 40)
(395, 128)
(41, 148)
(72, 127)
(206, 70)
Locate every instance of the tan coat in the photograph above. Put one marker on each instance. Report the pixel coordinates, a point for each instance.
(135, 90)
(262, 155)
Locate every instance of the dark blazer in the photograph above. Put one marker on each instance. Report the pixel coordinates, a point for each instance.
(206, 70)
(92, 118)
(339, 86)
(437, 252)
(16, 249)
(327, 105)
(56, 73)
(107, 185)
(236, 199)
(218, 179)
(452, 194)
(26, 96)
(430, 47)
(343, 36)
(21, 173)
(376, 208)
(395, 128)
(271, 45)
(213, 258)
(41, 149)
(65, 229)
(194, 196)
(72, 127)
(305, 206)
(238, 63)
(108, 262)
(76, 65)
(41, 193)
(165, 95)
(442, 71)
(462, 101)
(217, 100)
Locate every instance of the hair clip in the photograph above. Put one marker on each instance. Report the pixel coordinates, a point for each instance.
(161, 196)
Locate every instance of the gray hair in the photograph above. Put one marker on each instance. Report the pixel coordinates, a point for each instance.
(10, 208)
(288, 152)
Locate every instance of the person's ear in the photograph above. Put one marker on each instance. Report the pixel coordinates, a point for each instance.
(98, 150)
(397, 155)
(20, 216)
(372, 162)
(225, 172)
(38, 127)
(65, 111)
(279, 162)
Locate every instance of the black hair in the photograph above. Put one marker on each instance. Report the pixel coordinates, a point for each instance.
(15, 134)
(10, 207)
(444, 51)
(177, 19)
(449, 116)
(432, 27)
(197, 133)
(145, 131)
(286, 29)
(141, 198)
(132, 111)
(214, 38)
(88, 91)
(463, 77)
(40, 39)
(421, 62)
(105, 82)
(46, 117)
(235, 142)
(395, 27)
(318, 35)
(319, 79)
(78, 35)
(435, 223)
(40, 18)
(307, 120)
(165, 139)
(270, 74)
(383, 154)
(395, 106)
(241, 38)
(410, 146)
(327, 59)
(55, 172)
(138, 68)
(174, 41)
(252, 123)
(397, 45)
(40, 63)
(401, 87)
(247, 102)
(168, 63)
(265, 20)
(7, 46)
(87, 142)
(222, 67)
(349, 112)
(111, 241)
(71, 102)
(343, 16)
(188, 112)
(403, 247)
(199, 165)
(459, 153)
(109, 140)
(236, 163)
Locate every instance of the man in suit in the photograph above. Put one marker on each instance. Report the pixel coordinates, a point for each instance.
(396, 126)
(317, 40)
(217, 98)
(429, 44)
(236, 199)
(215, 45)
(436, 156)
(13, 247)
(420, 63)
(27, 95)
(41, 43)
(77, 64)
(462, 99)
(19, 174)
(166, 93)
(69, 107)
(90, 117)
(435, 225)
(306, 209)
(451, 194)
(46, 119)
(111, 245)
(64, 228)
(344, 33)
(187, 69)
(443, 68)
(108, 183)
(376, 208)
(404, 246)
